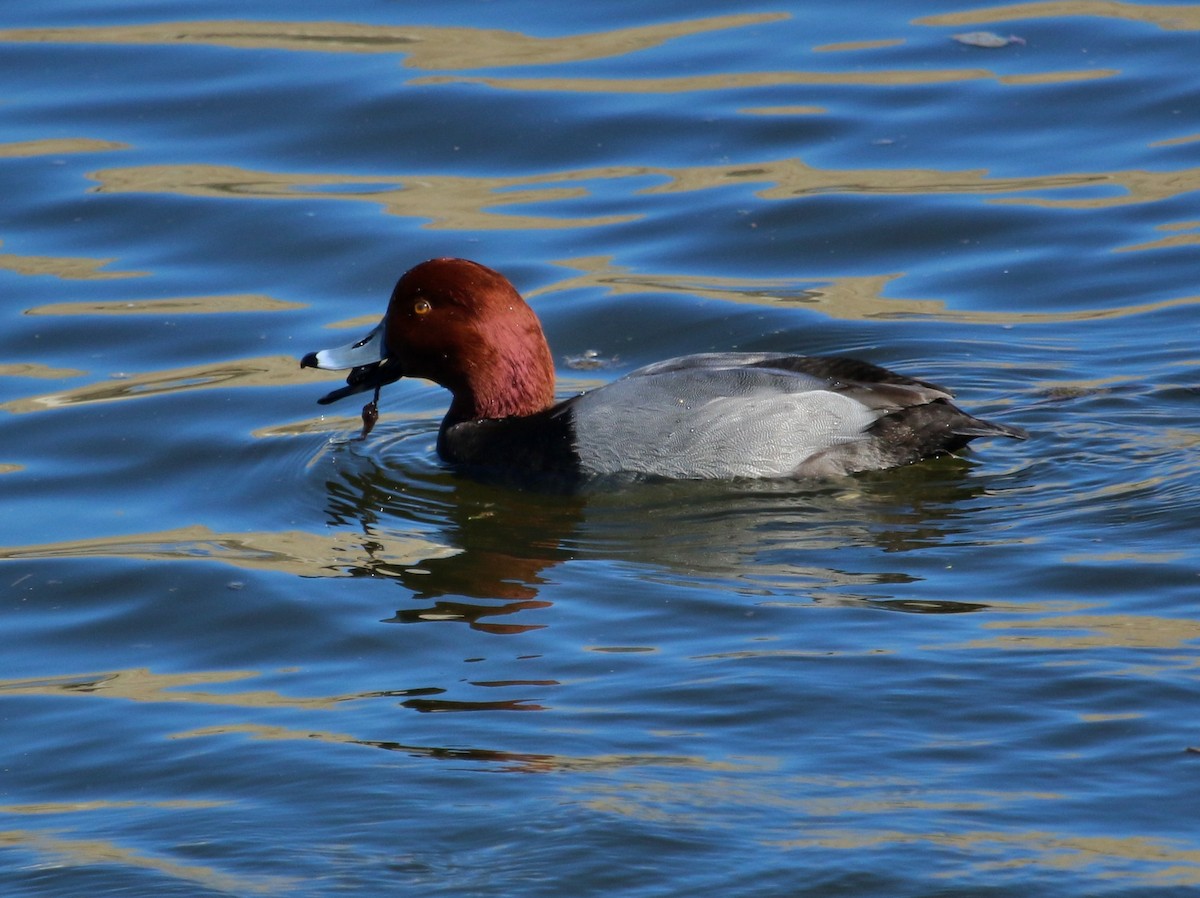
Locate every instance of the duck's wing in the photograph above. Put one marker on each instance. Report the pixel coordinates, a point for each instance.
(872, 385)
(714, 416)
(767, 415)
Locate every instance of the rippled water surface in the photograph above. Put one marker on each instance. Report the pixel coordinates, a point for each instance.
(244, 653)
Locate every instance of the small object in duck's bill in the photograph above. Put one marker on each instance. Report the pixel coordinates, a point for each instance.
(714, 415)
(370, 414)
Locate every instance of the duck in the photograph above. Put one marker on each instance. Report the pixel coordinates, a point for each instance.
(707, 416)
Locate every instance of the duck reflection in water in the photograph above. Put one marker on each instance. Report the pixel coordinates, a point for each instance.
(765, 540)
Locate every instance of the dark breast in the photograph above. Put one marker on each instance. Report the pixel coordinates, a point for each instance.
(538, 446)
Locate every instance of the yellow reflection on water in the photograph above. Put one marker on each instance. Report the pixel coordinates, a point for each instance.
(783, 110)
(1138, 859)
(264, 371)
(807, 797)
(849, 298)
(878, 801)
(265, 733)
(1167, 17)
(738, 80)
(64, 851)
(513, 762)
(142, 685)
(1138, 187)
(1033, 78)
(1127, 556)
(425, 47)
(854, 46)
(464, 49)
(37, 369)
(287, 551)
(449, 202)
(73, 268)
(1070, 632)
(789, 178)
(1176, 141)
(70, 807)
(58, 146)
(468, 203)
(1190, 239)
(179, 305)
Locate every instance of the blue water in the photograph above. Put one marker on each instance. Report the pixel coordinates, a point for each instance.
(243, 653)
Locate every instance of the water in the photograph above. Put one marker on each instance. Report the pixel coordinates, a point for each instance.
(245, 654)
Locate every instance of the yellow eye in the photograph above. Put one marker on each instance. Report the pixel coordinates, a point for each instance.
(422, 307)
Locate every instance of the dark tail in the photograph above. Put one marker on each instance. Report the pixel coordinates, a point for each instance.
(923, 431)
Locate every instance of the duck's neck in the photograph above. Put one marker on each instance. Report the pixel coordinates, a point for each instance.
(506, 378)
